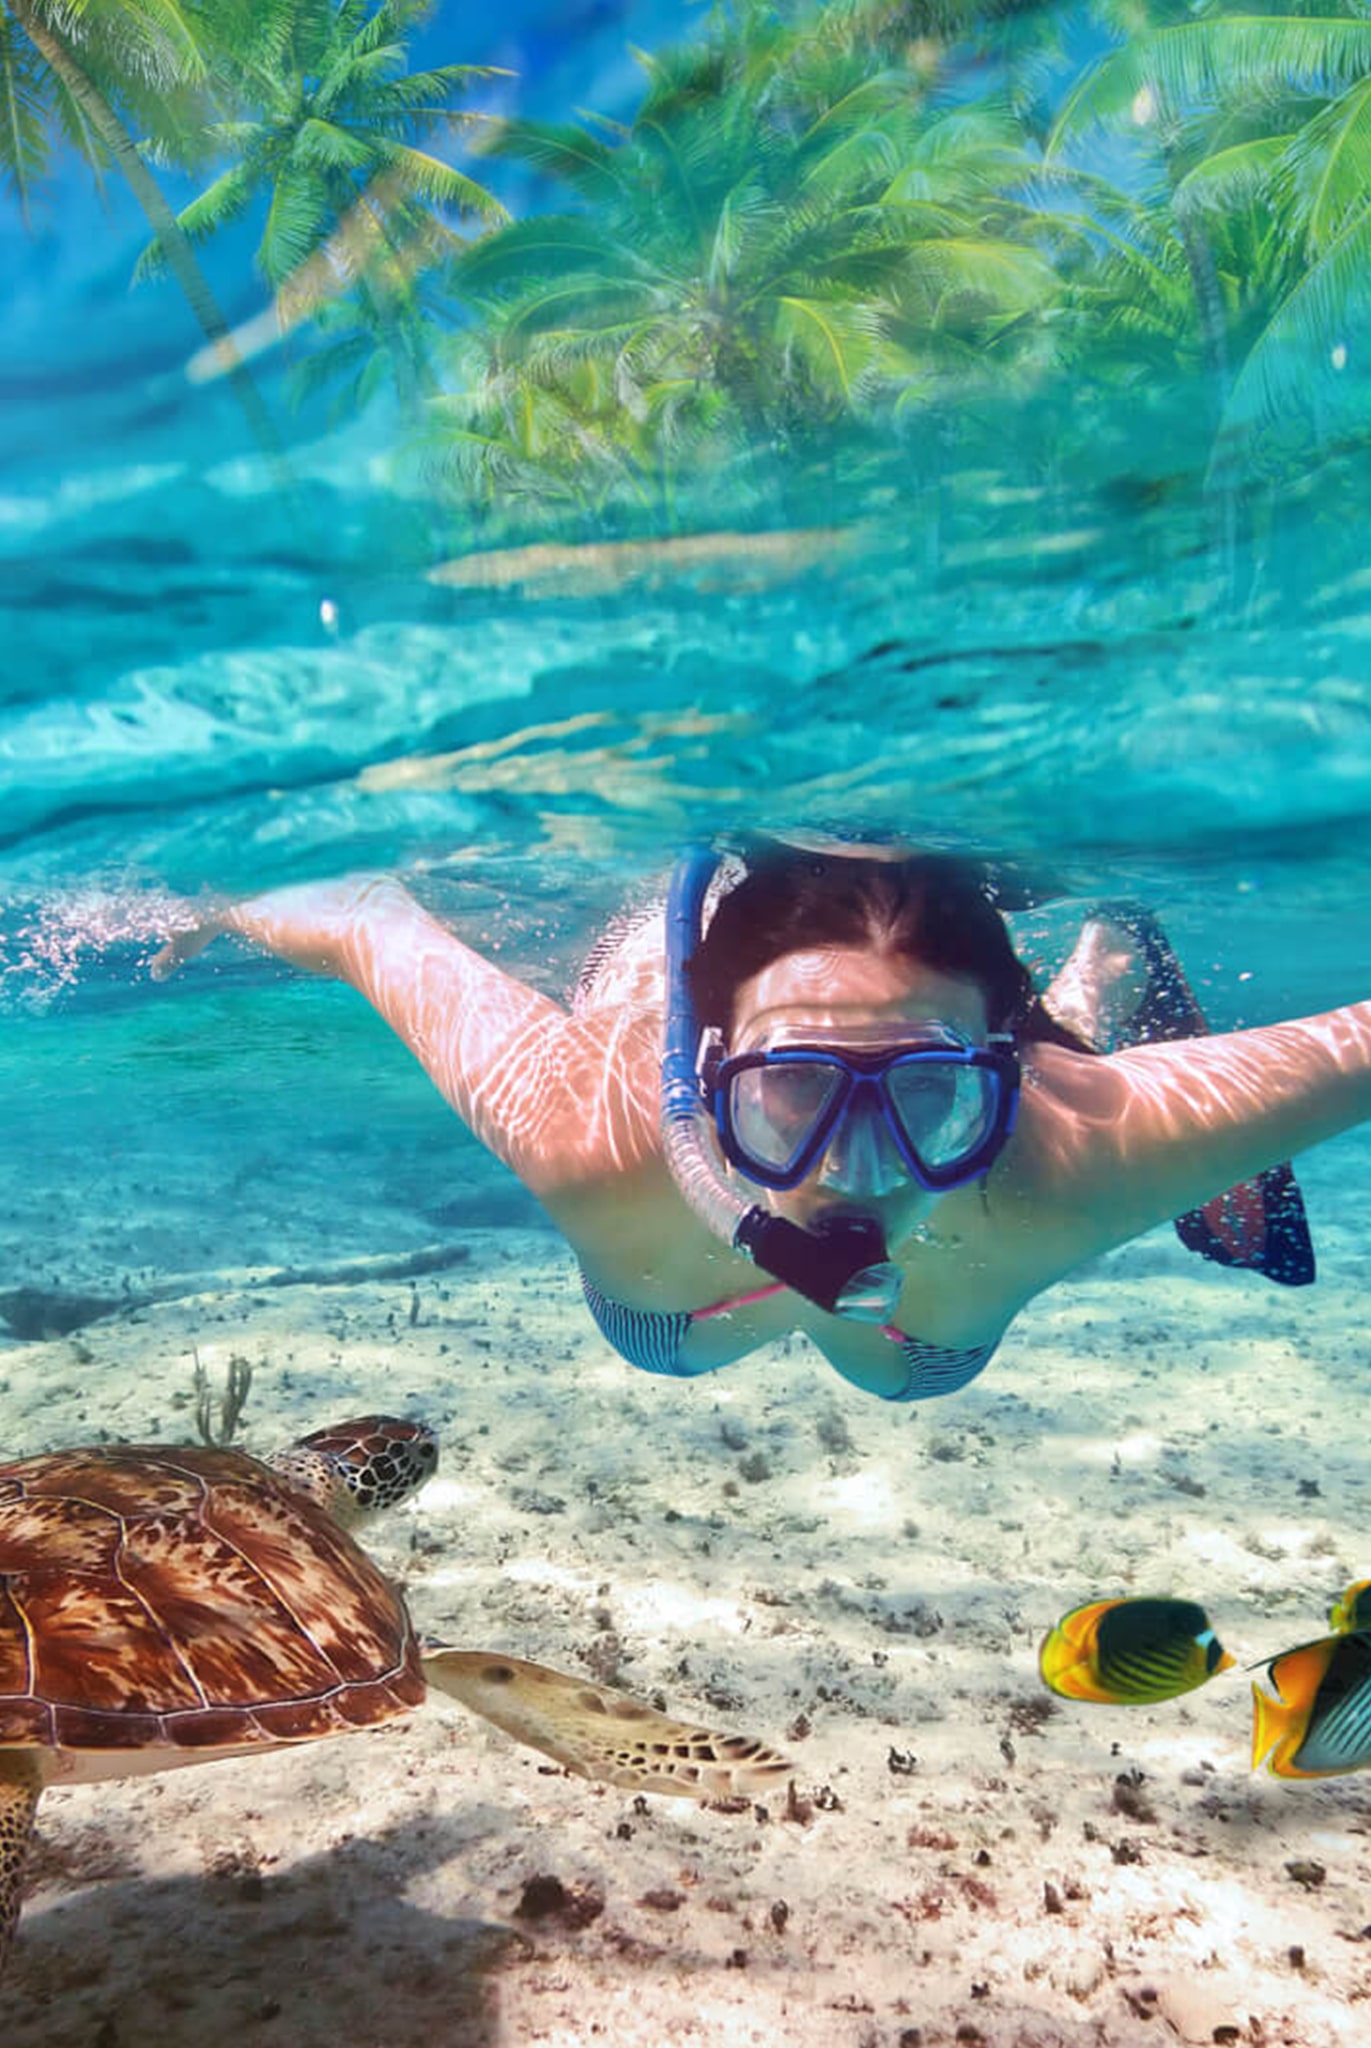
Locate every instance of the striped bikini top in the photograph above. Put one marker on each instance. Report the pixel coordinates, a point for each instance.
(653, 1340)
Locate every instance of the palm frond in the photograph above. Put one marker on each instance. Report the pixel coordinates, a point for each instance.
(322, 146)
(429, 179)
(985, 131)
(147, 39)
(388, 23)
(744, 217)
(252, 36)
(1141, 214)
(687, 196)
(985, 274)
(566, 153)
(682, 78)
(867, 103)
(240, 137)
(299, 217)
(1232, 179)
(355, 78)
(548, 245)
(838, 343)
(417, 94)
(892, 222)
(1309, 353)
(1326, 175)
(590, 303)
(854, 165)
(1211, 63)
(23, 136)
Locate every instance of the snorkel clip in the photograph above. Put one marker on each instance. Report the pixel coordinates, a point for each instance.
(840, 1264)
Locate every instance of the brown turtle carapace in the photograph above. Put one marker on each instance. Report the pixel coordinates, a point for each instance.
(169, 1605)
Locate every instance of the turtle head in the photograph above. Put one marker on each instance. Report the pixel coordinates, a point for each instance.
(356, 1469)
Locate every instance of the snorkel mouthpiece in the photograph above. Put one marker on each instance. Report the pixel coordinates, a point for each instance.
(841, 1264)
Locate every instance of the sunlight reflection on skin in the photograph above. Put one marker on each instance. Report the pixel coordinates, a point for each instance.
(1158, 1129)
(1105, 1147)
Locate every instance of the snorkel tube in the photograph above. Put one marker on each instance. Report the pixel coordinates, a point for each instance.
(842, 1266)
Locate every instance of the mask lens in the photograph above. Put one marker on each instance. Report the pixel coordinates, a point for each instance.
(774, 1109)
(946, 1111)
(862, 1159)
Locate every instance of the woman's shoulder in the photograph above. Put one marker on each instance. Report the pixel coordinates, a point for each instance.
(1039, 1214)
(626, 966)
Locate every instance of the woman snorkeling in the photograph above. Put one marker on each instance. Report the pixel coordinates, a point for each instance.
(822, 1094)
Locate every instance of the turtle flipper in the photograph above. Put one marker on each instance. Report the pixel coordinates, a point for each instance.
(21, 1784)
(602, 1734)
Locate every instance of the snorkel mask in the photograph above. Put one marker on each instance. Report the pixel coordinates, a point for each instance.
(929, 1108)
(888, 1104)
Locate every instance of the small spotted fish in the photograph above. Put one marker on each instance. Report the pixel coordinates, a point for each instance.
(1126, 1652)
(1354, 1608)
(1312, 1719)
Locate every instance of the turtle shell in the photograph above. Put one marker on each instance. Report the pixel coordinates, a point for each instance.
(186, 1599)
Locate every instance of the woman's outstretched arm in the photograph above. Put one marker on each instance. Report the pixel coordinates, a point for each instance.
(558, 1099)
(1123, 1143)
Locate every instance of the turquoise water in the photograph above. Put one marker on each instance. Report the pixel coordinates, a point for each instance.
(179, 723)
(212, 685)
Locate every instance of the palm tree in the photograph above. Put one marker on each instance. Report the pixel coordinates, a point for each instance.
(1264, 125)
(95, 77)
(770, 246)
(327, 129)
(99, 76)
(1311, 188)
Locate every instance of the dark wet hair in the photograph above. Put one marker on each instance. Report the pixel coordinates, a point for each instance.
(939, 909)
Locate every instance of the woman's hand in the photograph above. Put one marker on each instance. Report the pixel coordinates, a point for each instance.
(184, 945)
(307, 924)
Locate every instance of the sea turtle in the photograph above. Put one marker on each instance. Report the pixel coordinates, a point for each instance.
(166, 1605)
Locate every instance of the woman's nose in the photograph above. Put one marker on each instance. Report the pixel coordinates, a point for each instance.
(862, 1158)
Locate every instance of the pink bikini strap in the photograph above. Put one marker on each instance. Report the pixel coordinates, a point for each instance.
(721, 1308)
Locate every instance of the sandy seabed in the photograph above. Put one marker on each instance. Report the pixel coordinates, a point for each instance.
(863, 1586)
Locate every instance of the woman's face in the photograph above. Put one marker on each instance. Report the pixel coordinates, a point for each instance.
(818, 996)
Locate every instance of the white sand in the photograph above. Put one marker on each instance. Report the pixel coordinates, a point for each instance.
(773, 1552)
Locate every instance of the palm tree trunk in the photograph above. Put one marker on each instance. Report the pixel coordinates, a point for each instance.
(175, 243)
